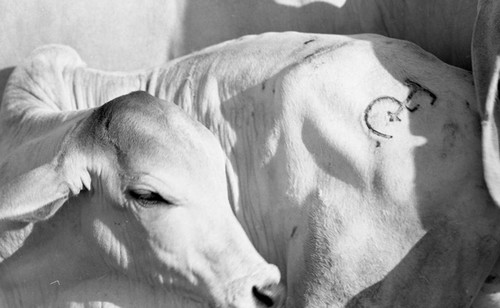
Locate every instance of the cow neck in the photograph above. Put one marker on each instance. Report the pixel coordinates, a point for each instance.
(93, 88)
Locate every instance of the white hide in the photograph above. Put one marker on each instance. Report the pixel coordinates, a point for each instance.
(353, 163)
(120, 203)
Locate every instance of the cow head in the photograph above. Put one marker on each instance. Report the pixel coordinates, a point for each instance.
(156, 206)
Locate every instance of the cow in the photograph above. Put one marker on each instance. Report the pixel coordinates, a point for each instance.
(128, 193)
(353, 163)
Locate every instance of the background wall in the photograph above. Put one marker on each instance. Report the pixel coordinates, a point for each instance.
(111, 34)
(133, 34)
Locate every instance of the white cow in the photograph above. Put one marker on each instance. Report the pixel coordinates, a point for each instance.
(101, 202)
(353, 163)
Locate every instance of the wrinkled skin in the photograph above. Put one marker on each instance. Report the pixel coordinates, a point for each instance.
(353, 163)
(147, 209)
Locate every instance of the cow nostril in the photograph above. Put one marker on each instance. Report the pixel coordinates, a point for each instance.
(269, 296)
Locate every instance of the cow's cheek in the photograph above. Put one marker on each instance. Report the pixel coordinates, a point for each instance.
(173, 254)
(112, 235)
(169, 237)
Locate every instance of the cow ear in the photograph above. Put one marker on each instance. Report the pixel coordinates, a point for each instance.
(36, 195)
(486, 71)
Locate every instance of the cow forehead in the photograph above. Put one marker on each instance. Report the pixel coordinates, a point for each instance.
(146, 132)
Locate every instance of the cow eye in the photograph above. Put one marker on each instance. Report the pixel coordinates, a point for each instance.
(148, 198)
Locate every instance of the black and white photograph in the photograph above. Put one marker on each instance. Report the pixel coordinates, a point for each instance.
(249, 153)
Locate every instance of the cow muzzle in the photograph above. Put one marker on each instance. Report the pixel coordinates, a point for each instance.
(269, 296)
(260, 289)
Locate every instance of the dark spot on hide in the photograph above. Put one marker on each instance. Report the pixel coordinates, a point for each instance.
(449, 131)
(377, 144)
(293, 231)
(490, 279)
(467, 104)
(263, 86)
(310, 41)
(309, 56)
(325, 50)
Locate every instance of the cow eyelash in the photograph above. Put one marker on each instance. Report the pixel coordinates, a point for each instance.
(148, 198)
